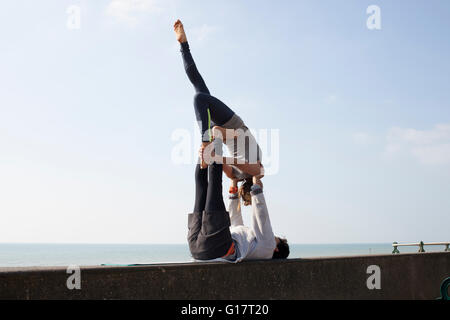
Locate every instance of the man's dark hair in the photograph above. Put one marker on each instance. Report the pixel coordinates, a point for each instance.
(283, 250)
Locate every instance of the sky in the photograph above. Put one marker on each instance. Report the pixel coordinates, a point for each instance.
(94, 105)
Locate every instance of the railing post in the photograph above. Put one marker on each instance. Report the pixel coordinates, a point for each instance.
(446, 248)
(421, 249)
(395, 248)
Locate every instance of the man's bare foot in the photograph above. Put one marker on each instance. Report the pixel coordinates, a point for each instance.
(201, 154)
(179, 31)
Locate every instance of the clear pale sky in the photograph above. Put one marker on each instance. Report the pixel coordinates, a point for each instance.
(87, 116)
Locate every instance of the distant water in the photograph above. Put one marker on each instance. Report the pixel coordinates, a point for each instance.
(12, 255)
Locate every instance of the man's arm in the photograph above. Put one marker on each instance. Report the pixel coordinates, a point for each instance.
(260, 217)
(234, 207)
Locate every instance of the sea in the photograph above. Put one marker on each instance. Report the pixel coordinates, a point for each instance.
(27, 254)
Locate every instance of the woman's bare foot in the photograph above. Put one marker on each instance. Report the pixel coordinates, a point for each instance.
(179, 31)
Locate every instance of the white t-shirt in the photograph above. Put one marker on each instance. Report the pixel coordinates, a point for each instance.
(257, 241)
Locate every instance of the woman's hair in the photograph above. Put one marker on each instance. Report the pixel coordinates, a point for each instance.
(244, 191)
(283, 249)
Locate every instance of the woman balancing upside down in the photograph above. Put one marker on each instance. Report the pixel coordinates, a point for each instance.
(213, 232)
(218, 121)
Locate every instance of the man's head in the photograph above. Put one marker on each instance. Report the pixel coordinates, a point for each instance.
(282, 249)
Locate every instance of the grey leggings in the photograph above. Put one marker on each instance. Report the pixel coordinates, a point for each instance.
(209, 110)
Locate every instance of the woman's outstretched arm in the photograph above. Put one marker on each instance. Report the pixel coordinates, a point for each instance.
(207, 154)
(252, 169)
(189, 64)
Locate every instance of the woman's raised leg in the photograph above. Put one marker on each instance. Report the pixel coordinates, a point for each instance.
(209, 110)
(189, 64)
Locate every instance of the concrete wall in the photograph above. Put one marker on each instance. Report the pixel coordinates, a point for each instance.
(403, 276)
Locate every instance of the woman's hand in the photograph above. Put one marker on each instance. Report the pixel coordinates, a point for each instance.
(257, 178)
(257, 181)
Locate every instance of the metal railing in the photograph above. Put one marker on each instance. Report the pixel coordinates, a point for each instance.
(420, 245)
(444, 289)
